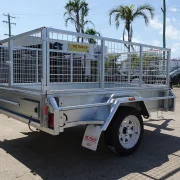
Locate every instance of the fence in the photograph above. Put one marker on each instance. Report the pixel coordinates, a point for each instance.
(51, 59)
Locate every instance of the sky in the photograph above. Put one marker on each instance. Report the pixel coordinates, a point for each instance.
(32, 14)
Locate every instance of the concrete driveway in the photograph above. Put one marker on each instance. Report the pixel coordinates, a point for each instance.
(26, 155)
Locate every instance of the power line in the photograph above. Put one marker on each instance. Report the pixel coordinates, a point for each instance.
(9, 23)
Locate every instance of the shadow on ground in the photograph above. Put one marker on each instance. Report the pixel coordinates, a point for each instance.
(62, 157)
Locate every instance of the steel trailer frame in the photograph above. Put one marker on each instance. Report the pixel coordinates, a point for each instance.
(52, 88)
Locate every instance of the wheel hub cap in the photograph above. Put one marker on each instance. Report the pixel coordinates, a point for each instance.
(129, 131)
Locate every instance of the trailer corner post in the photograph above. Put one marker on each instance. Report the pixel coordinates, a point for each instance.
(10, 46)
(71, 56)
(37, 57)
(129, 67)
(44, 82)
(140, 66)
(102, 66)
(167, 78)
(48, 58)
(168, 67)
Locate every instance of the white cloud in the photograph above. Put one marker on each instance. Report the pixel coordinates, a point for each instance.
(168, 20)
(174, 20)
(156, 24)
(173, 9)
(176, 47)
(171, 32)
(156, 43)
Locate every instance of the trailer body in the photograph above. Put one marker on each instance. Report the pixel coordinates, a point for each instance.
(53, 79)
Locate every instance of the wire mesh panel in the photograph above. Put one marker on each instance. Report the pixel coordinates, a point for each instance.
(59, 67)
(154, 67)
(58, 60)
(27, 65)
(27, 61)
(122, 65)
(74, 61)
(4, 66)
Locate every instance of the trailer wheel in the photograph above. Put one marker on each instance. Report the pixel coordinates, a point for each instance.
(125, 132)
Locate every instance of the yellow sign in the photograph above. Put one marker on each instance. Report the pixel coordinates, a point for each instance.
(78, 47)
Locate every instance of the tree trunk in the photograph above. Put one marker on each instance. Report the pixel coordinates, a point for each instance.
(129, 46)
(82, 31)
(129, 57)
(78, 25)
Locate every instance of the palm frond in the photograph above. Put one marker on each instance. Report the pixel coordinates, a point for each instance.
(92, 31)
(146, 7)
(71, 19)
(117, 17)
(117, 10)
(88, 22)
(146, 19)
(70, 7)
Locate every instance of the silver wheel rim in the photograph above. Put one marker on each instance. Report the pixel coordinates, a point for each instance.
(129, 131)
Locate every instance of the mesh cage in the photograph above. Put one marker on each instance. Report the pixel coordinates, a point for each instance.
(51, 59)
(121, 65)
(126, 66)
(27, 61)
(74, 61)
(4, 65)
(154, 66)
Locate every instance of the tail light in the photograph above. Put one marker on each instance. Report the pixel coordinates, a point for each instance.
(132, 99)
(51, 120)
(45, 110)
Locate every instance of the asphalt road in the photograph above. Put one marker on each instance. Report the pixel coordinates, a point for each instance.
(26, 155)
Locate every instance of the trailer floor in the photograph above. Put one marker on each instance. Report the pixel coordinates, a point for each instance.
(33, 155)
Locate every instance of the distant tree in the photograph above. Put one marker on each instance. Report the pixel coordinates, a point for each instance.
(128, 14)
(150, 59)
(93, 32)
(111, 63)
(76, 13)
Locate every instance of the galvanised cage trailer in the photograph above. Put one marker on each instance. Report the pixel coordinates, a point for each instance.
(54, 79)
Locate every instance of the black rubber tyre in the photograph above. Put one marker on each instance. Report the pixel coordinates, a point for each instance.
(111, 135)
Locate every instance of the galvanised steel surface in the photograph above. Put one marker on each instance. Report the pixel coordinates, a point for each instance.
(79, 78)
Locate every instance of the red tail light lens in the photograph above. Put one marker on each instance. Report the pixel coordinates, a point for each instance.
(45, 110)
(132, 99)
(51, 120)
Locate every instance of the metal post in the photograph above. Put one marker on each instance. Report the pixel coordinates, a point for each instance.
(168, 67)
(166, 101)
(48, 59)
(37, 66)
(10, 47)
(164, 23)
(44, 60)
(140, 66)
(129, 68)
(71, 59)
(102, 66)
(9, 24)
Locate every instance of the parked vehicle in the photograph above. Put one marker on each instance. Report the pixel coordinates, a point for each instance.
(175, 77)
(55, 87)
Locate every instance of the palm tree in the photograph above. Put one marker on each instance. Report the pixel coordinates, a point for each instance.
(128, 14)
(76, 11)
(84, 22)
(93, 32)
